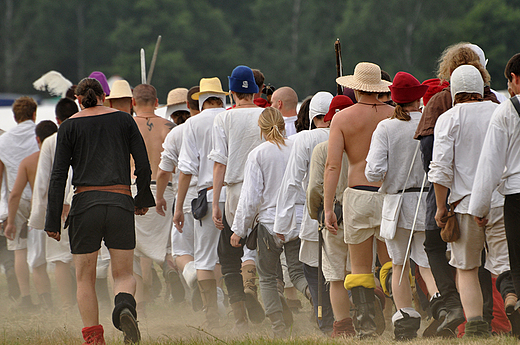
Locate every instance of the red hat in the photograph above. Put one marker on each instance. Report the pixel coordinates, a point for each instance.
(406, 88)
(338, 103)
(435, 86)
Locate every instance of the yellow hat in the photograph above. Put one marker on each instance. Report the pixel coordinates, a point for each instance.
(120, 89)
(209, 85)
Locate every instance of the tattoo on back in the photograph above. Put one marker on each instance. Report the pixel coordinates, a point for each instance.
(149, 124)
(169, 125)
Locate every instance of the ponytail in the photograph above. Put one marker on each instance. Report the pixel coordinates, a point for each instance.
(272, 126)
(400, 113)
(91, 91)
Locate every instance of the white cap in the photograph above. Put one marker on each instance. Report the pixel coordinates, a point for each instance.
(480, 53)
(466, 78)
(319, 105)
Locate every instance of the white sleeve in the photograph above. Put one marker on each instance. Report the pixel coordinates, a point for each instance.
(441, 166)
(41, 185)
(291, 190)
(377, 158)
(490, 167)
(168, 155)
(219, 152)
(250, 198)
(189, 159)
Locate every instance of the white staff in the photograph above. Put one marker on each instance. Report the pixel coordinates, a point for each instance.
(413, 227)
(143, 67)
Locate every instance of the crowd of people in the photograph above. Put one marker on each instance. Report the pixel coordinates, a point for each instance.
(394, 194)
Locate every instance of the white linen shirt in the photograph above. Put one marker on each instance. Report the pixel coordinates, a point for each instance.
(291, 197)
(389, 159)
(290, 125)
(235, 133)
(197, 143)
(499, 163)
(459, 135)
(16, 144)
(263, 173)
(170, 159)
(41, 183)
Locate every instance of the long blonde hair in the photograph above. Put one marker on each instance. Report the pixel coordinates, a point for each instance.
(272, 126)
(456, 55)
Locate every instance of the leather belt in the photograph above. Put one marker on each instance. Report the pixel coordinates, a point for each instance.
(414, 190)
(117, 188)
(155, 182)
(209, 188)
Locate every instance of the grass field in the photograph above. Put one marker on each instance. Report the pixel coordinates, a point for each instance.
(168, 323)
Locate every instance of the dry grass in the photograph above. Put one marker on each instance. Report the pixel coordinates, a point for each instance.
(167, 323)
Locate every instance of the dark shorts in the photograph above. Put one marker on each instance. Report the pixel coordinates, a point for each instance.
(113, 224)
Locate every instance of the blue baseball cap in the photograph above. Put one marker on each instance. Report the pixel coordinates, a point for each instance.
(242, 80)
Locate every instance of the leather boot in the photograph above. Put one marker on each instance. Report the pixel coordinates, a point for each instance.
(278, 325)
(208, 292)
(478, 328)
(93, 335)
(439, 313)
(255, 310)
(407, 322)
(240, 314)
(363, 299)
(454, 317)
(343, 328)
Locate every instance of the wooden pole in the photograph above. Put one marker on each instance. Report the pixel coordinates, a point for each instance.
(154, 59)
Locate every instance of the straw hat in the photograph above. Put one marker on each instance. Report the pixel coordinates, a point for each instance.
(367, 77)
(210, 85)
(406, 88)
(177, 99)
(120, 89)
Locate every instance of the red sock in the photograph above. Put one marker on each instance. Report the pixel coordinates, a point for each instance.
(93, 335)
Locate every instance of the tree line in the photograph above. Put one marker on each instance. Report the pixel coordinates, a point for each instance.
(291, 41)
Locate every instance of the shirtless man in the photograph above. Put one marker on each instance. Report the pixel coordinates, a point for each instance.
(152, 230)
(351, 131)
(26, 174)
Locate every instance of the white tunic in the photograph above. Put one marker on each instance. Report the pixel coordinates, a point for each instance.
(170, 159)
(197, 143)
(291, 197)
(41, 183)
(391, 153)
(16, 144)
(235, 133)
(500, 159)
(459, 136)
(263, 175)
(290, 125)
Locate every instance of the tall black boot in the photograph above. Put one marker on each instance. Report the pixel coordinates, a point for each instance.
(124, 317)
(363, 299)
(406, 323)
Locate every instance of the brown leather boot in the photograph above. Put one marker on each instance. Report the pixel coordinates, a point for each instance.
(208, 292)
(255, 310)
(239, 311)
(343, 328)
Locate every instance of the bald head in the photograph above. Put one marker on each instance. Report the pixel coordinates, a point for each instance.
(285, 99)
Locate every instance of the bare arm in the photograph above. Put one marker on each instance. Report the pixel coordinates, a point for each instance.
(14, 200)
(331, 176)
(441, 193)
(161, 182)
(183, 186)
(219, 172)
